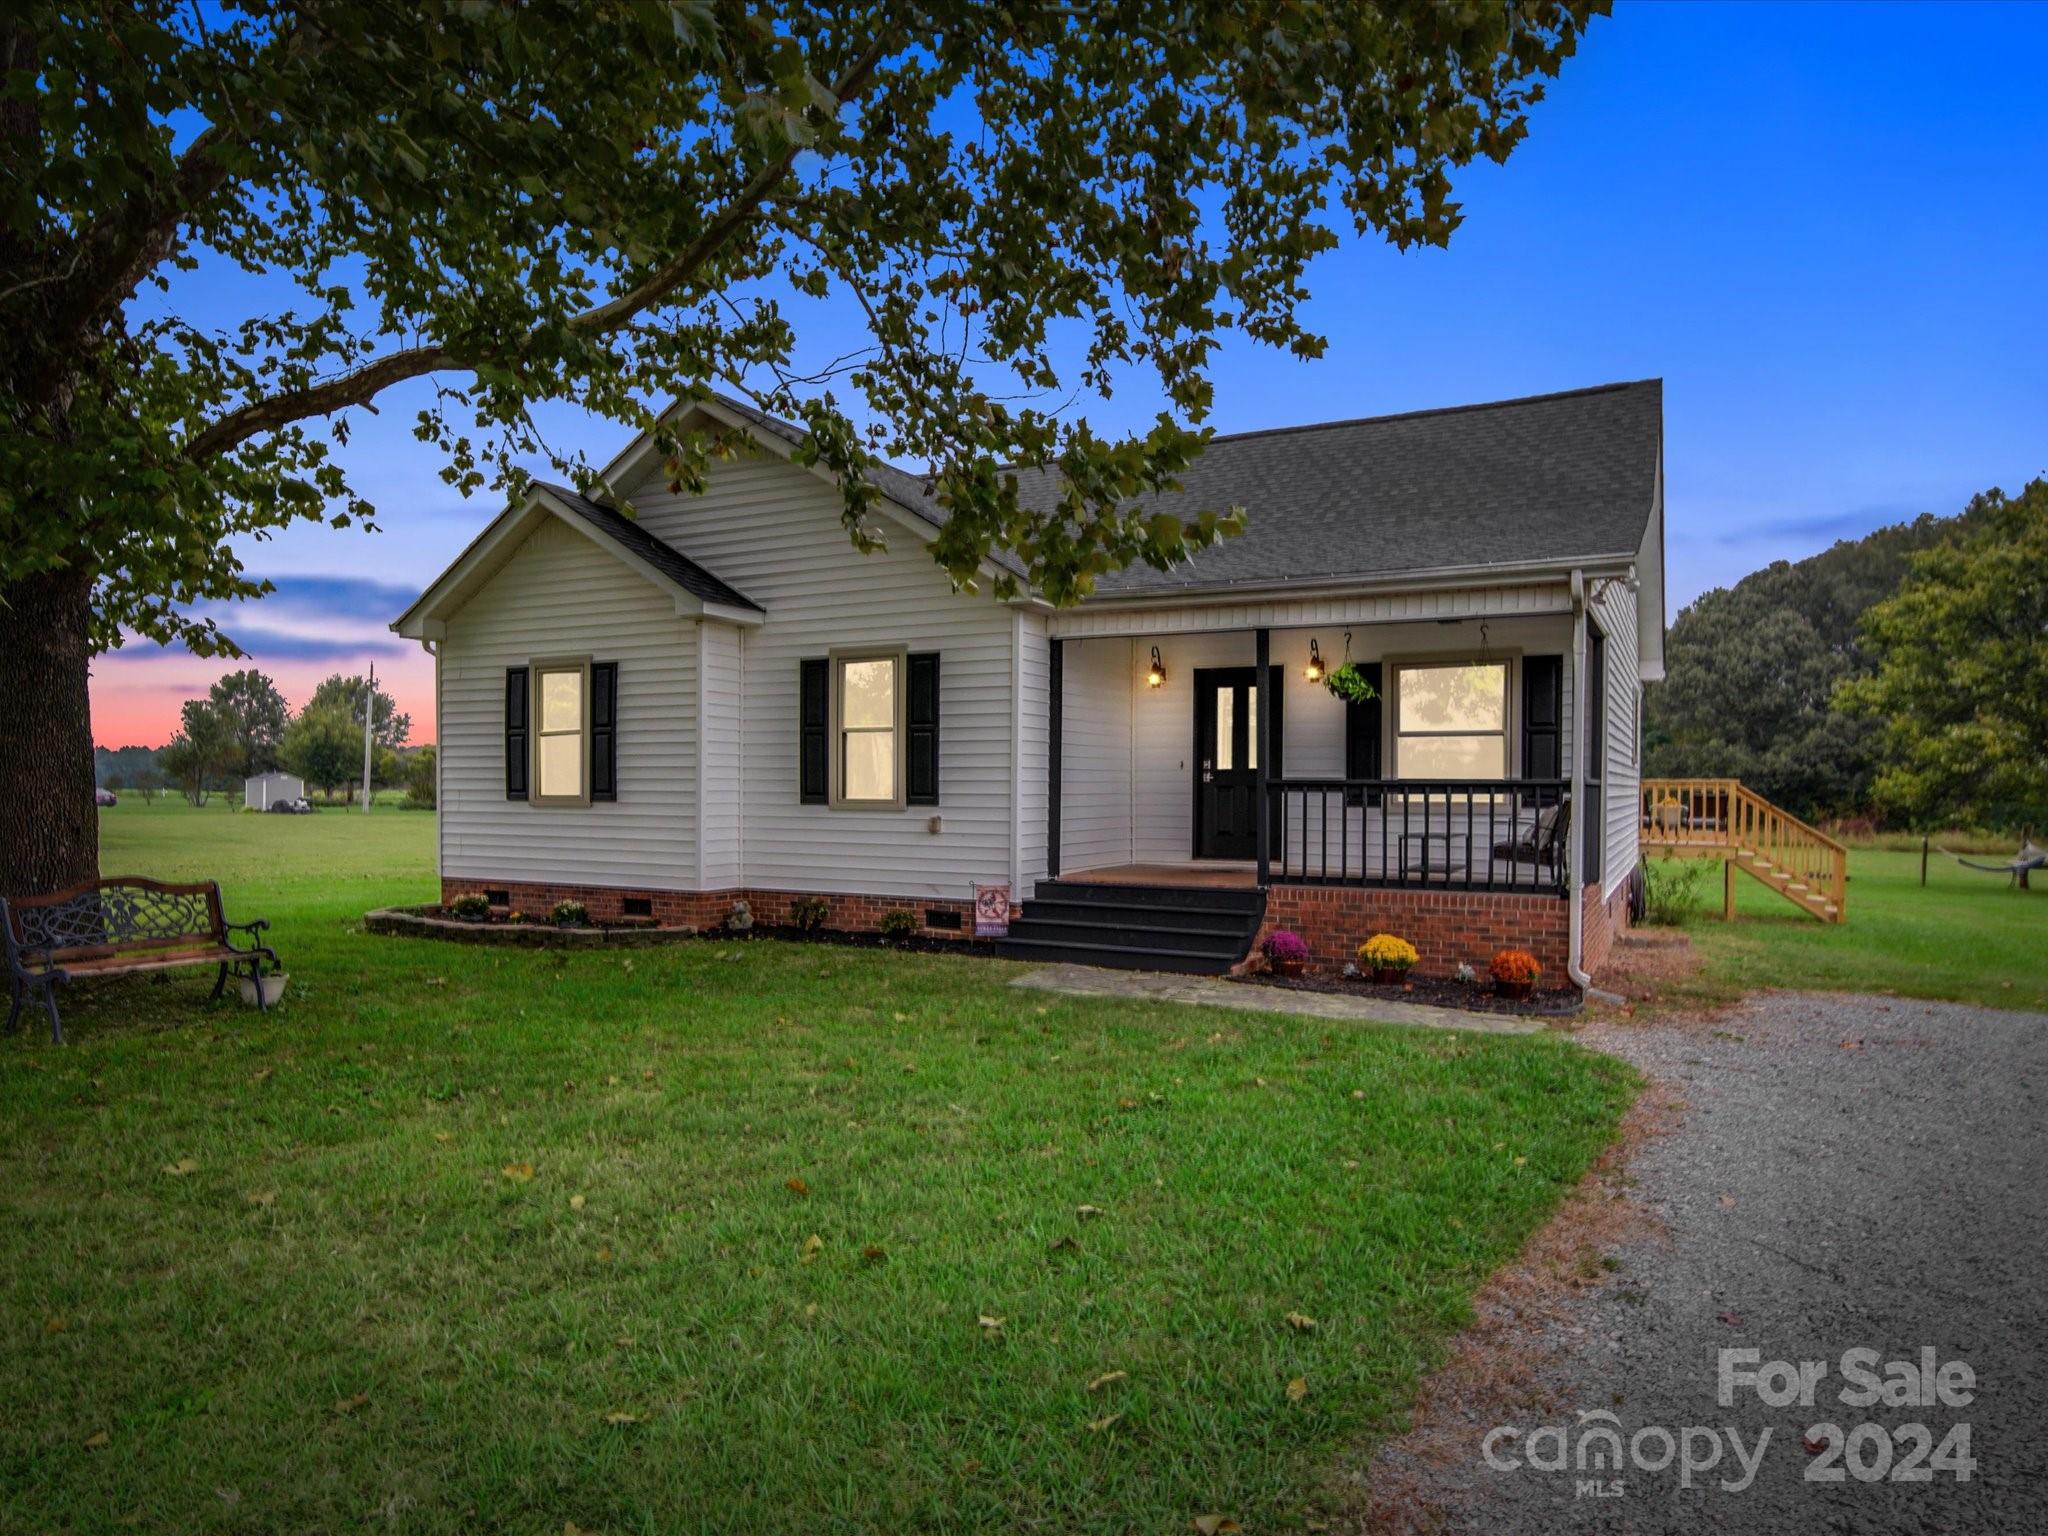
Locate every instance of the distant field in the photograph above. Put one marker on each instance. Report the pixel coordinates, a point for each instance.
(336, 862)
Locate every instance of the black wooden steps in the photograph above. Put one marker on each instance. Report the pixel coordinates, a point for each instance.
(1193, 929)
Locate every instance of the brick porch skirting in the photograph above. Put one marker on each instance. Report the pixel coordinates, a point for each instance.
(1446, 927)
(709, 909)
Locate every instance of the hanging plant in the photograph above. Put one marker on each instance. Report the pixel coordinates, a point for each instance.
(1350, 684)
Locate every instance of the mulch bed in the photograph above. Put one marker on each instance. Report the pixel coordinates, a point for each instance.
(1432, 991)
(433, 922)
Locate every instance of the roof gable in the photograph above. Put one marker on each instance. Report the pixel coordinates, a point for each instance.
(696, 591)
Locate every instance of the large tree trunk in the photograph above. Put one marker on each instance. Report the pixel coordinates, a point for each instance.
(49, 826)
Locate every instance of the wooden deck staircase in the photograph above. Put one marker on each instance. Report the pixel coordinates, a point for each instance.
(1722, 819)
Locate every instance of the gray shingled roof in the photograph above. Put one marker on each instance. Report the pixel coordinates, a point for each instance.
(1542, 480)
(665, 558)
(1536, 481)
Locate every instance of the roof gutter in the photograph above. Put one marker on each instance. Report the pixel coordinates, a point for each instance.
(1404, 581)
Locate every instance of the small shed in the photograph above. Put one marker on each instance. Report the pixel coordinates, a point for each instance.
(262, 791)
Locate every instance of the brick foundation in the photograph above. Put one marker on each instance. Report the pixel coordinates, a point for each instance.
(1604, 918)
(709, 909)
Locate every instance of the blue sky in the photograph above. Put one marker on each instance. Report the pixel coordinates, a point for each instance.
(1824, 226)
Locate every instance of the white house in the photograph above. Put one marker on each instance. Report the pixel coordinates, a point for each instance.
(261, 791)
(720, 698)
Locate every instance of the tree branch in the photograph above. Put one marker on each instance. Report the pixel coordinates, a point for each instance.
(360, 385)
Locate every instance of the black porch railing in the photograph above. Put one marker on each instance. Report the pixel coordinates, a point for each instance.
(1450, 834)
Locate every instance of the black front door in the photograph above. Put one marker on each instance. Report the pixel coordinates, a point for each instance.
(1227, 759)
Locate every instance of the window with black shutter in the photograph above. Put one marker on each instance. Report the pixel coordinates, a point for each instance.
(516, 704)
(922, 726)
(814, 731)
(604, 730)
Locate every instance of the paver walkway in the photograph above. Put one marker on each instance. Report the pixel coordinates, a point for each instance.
(1212, 992)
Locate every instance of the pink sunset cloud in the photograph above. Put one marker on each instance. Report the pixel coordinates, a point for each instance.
(309, 629)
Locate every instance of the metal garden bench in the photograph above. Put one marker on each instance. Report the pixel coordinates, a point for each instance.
(118, 926)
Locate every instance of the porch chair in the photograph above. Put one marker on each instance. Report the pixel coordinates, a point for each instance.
(1541, 842)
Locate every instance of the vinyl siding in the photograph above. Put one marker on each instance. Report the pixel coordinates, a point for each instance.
(1616, 613)
(773, 531)
(559, 594)
(1034, 698)
(722, 711)
(1095, 753)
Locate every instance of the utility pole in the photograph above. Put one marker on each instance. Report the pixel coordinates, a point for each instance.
(369, 721)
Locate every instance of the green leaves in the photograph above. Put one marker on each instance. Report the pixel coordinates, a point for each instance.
(612, 203)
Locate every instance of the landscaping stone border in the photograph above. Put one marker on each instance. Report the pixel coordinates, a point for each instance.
(429, 923)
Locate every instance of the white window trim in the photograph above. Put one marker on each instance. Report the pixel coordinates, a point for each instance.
(836, 662)
(1509, 661)
(536, 669)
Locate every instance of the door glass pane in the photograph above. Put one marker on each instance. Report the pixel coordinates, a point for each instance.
(1468, 697)
(868, 696)
(1453, 757)
(1251, 727)
(561, 764)
(1226, 728)
(870, 771)
(561, 702)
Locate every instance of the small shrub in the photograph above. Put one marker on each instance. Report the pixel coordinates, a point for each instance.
(1285, 947)
(809, 912)
(1515, 966)
(898, 926)
(470, 906)
(569, 914)
(739, 917)
(1388, 952)
(1673, 889)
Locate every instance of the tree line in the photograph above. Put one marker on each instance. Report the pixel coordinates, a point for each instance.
(243, 726)
(1900, 678)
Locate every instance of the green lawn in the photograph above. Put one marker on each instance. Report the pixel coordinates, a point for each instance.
(1967, 936)
(464, 1239)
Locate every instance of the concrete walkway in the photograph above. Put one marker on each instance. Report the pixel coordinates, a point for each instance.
(1214, 992)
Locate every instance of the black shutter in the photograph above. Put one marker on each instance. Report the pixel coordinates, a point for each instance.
(1362, 736)
(516, 705)
(921, 767)
(814, 729)
(604, 730)
(1542, 717)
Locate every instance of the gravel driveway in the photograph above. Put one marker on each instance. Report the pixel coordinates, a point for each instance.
(1847, 1172)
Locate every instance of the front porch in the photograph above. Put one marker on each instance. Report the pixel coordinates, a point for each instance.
(1220, 757)
(1205, 780)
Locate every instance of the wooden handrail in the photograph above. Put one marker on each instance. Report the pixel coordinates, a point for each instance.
(1725, 816)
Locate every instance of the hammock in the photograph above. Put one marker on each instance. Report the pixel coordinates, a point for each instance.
(2029, 857)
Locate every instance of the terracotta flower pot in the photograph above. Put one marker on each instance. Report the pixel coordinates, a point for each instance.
(1517, 991)
(1389, 975)
(1287, 968)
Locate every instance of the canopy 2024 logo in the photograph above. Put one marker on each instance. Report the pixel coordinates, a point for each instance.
(1868, 1452)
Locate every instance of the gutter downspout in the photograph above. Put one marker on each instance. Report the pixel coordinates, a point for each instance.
(1575, 916)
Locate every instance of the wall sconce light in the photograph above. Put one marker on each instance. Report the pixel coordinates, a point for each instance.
(1314, 670)
(1155, 676)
